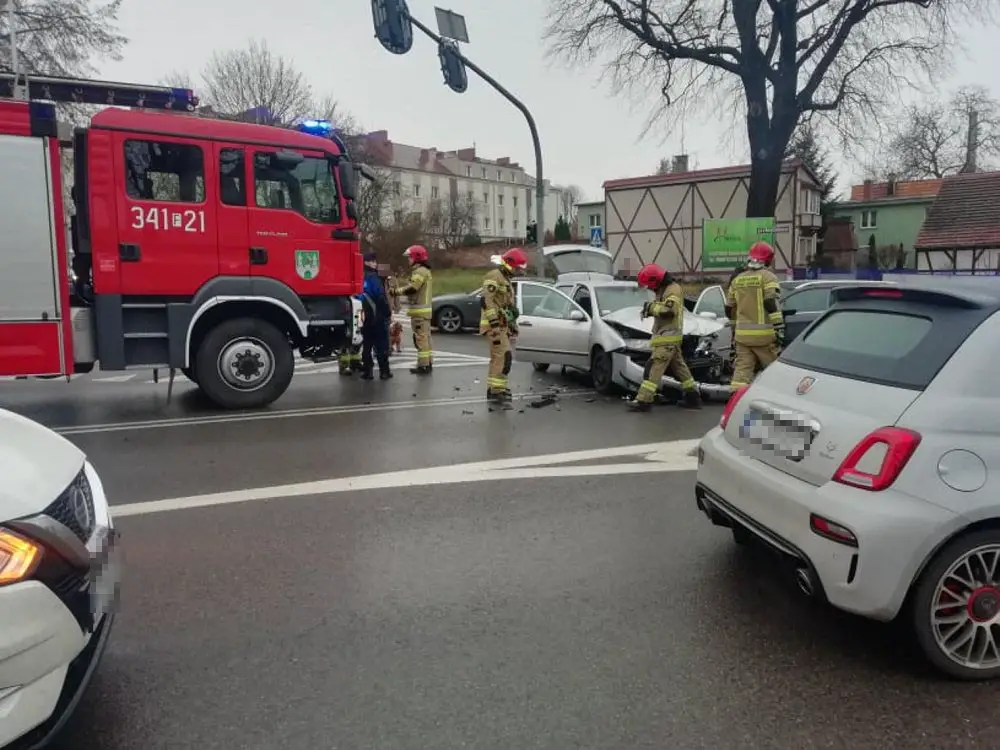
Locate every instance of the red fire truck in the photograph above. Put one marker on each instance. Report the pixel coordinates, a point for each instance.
(212, 247)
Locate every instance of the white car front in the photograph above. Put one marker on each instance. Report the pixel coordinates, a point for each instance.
(59, 578)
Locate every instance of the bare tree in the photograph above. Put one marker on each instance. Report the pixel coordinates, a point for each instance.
(62, 37)
(180, 79)
(374, 204)
(931, 140)
(664, 167)
(452, 219)
(776, 62)
(254, 80)
(571, 195)
(256, 83)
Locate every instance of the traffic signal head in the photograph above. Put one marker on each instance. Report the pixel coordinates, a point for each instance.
(453, 67)
(393, 27)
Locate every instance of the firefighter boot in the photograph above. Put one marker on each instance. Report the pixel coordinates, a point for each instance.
(692, 399)
(367, 375)
(636, 405)
(421, 370)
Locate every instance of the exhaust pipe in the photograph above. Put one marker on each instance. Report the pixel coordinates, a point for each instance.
(804, 581)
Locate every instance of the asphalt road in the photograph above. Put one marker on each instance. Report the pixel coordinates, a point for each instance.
(339, 597)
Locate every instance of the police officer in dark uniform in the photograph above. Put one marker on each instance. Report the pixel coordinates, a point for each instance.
(375, 328)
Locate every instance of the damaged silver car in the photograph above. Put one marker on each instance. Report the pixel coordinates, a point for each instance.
(595, 326)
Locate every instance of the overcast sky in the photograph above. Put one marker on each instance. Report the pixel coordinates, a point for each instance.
(588, 135)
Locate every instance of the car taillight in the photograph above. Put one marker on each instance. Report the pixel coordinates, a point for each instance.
(731, 405)
(891, 293)
(899, 445)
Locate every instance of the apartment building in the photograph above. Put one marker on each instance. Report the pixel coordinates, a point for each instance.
(494, 198)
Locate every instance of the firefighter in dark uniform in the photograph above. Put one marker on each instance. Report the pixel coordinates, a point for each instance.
(667, 311)
(419, 292)
(752, 304)
(498, 322)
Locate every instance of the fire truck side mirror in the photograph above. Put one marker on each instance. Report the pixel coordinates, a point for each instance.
(348, 179)
(352, 211)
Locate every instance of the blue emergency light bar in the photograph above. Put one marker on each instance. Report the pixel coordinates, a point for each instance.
(316, 127)
(322, 129)
(83, 91)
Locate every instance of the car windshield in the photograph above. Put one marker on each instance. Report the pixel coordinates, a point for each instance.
(613, 298)
(581, 261)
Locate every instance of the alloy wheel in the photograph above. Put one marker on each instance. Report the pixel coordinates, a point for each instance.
(965, 609)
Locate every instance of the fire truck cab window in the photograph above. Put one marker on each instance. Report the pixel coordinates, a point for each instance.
(232, 177)
(308, 188)
(156, 171)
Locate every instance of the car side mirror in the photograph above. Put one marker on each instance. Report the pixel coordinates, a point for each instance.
(577, 316)
(709, 315)
(789, 312)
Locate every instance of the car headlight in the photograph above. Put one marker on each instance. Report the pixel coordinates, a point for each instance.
(18, 557)
(637, 345)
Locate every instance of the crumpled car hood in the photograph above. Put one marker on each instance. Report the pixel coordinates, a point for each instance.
(694, 325)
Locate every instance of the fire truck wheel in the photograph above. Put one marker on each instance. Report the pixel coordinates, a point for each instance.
(244, 363)
(188, 372)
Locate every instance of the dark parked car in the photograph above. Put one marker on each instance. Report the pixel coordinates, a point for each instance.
(451, 313)
(806, 302)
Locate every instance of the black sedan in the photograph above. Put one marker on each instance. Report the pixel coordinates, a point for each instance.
(452, 313)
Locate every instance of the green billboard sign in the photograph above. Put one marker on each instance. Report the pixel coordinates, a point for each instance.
(725, 242)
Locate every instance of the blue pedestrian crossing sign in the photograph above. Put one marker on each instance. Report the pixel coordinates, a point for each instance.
(596, 237)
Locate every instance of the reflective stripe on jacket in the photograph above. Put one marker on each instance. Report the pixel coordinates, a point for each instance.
(747, 293)
(419, 292)
(498, 297)
(668, 316)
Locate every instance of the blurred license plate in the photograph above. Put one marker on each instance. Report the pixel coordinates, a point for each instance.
(788, 440)
(104, 576)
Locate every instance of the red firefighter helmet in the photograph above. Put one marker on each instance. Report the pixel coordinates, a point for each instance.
(416, 253)
(651, 276)
(761, 252)
(515, 258)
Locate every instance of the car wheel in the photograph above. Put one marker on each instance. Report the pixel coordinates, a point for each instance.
(244, 363)
(600, 371)
(449, 320)
(955, 608)
(541, 366)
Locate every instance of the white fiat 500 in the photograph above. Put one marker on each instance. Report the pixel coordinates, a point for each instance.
(868, 457)
(59, 577)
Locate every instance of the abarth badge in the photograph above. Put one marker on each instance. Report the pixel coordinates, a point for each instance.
(804, 385)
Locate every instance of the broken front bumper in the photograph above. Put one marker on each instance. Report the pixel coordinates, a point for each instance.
(628, 369)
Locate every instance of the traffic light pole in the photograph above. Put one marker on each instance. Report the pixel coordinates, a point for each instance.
(539, 182)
